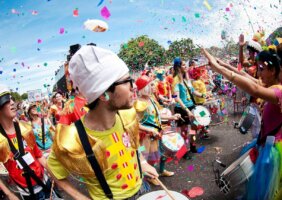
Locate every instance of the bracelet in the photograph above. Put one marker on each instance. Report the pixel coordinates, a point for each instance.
(232, 76)
(143, 162)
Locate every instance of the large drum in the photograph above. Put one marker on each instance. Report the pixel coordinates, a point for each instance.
(162, 195)
(214, 106)
(202, 115)
(237, 173)
(171, 143)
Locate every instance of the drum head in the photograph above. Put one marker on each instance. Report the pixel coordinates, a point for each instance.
(162, 195)
(202, 115)
(172, 141)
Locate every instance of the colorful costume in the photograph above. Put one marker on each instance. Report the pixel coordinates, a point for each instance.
(114, 149)
(7, 157)
(149, 116)
(73, 110)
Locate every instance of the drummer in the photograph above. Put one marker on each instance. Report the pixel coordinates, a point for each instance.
(150, 127)
(183, 93)
(200, 86)
(163, 89)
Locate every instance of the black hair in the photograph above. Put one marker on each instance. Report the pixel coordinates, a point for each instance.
(272, 60)
(250, 48)
(176, 68)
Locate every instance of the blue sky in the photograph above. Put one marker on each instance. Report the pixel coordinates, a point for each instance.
(26, 64)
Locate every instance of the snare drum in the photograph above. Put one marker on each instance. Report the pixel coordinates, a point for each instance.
(215, 111)
(202, 115)
(171, 143)
(162, 195)
(3, 170)
(237, 173)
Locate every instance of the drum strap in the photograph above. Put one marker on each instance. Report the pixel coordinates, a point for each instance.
(190, 93)
(92, 159)
(28, 173)
(43, 132)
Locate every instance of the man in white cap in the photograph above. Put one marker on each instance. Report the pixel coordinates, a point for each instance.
(101, 147)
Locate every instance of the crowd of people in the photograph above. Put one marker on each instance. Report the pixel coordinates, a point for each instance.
(112, 131)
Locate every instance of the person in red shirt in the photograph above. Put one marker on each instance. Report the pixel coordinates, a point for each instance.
(73, 110)
(17, 141)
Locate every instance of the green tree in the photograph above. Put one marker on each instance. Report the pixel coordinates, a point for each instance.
(24, 96)
(185, 49)
(141, 50)
(16, 96)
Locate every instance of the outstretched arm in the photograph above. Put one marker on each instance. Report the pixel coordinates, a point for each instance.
(242, 82)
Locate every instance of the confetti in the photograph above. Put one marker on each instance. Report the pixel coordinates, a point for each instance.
(100, 3)
(141, 44)
(196, 191)
(39, 41)
(197, 15)
(62, 30)
(75, 12)
(45, 64)
(34, 12)
(105, 13)
(190, 168)
(208, 6)
(201, 149)
(183, 19)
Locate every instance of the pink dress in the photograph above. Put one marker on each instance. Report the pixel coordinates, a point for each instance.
(272, 117)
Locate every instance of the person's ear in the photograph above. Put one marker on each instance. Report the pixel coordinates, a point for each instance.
(107, 97)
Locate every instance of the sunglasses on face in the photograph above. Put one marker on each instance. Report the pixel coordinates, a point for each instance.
(130, 80)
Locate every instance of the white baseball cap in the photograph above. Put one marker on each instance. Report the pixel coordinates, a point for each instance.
(93, 70)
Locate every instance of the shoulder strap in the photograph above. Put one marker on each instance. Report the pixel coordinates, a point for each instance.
(191, 96)
(43, 132)
(92, 159)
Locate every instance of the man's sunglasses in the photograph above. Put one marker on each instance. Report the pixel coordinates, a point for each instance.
(130, 80)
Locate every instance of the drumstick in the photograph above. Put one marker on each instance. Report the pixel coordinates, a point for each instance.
(182, 119)
(164, 187)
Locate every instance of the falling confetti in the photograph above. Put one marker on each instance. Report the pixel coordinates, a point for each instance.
(197, 15)
(208, 6)
(34, 12)
(141, 44)
(14, 11)
(45, 64)
(75, 12)
(105, 13)
(183, 19)
(39, 41)
(100, 3)
(62, 30)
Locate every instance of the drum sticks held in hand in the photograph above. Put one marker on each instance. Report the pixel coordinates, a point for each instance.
(165, 189)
